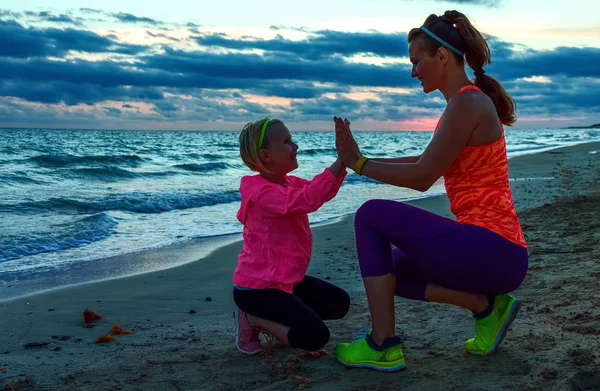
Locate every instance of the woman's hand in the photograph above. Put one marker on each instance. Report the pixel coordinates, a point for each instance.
(345, 144)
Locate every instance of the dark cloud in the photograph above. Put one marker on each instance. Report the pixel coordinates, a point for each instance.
(320, 45)
(91, 10)
(113, 111)
(75, 93)
(315, 72)
(18, 41)
(129, 18)
(296, 90)
(561, 95)
(166, 109)
(46, 16)
(9, 13)
(562, 61)
(162, 35)
(244, 67)
(123, 17)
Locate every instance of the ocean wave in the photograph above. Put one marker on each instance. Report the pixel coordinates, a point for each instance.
(60, 237)
(108, 173)
(226, 145)
(318, 151)
(358, 179)
(102, 173)
(530, 147)
(212, 156)
(63, 160)
(130, 202)
(203, 167)
(18, 178)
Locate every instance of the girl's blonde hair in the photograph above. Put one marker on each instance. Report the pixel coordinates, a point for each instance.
(249, 137)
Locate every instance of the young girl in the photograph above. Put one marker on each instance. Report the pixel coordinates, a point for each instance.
(271, 288)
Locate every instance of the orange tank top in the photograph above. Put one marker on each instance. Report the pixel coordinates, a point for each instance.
(479, 191)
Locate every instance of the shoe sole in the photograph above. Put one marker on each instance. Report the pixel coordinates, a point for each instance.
(237, 333)
(374, 367)
(514, 311)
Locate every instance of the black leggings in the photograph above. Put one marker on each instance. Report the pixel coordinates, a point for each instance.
(303, 311)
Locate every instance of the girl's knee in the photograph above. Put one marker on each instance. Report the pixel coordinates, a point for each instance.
(309, 338)
(341, 307)
(317, 339)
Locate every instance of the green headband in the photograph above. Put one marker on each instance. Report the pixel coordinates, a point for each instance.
(262, 135)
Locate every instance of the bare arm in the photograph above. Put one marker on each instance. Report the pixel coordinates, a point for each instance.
(403, 159)
(458, 122)
(337, 167)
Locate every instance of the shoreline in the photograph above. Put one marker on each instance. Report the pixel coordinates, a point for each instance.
(190, 250)
(183, 332)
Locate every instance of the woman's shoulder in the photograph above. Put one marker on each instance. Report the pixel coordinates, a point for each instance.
(473, 103)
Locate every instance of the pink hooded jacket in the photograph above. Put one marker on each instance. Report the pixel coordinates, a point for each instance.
(277, 238)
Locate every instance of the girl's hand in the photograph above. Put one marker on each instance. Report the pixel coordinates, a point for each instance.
(346, 146)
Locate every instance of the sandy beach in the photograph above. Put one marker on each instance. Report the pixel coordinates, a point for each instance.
(183, 332)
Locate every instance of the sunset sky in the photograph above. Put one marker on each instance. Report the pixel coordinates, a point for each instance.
(206, 65)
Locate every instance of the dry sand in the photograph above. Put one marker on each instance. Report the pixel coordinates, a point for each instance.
(183, 334)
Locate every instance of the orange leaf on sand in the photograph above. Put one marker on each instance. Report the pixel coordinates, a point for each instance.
(536, 267)
(90, 316)
(302, 382)
(105, 338)
(317, 354)
(116, 330)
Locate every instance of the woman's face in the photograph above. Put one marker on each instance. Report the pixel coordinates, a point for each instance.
(427, 68)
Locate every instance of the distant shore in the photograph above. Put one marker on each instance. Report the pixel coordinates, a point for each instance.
(595, 126)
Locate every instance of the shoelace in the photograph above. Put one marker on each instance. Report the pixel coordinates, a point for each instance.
(269, 338)
(360, 334)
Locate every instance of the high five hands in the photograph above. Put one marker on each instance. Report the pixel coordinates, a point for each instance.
(346, 146)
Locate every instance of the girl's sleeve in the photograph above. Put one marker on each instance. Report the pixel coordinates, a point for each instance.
(306, 198)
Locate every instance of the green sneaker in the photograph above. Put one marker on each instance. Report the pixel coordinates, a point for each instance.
(491, 330)
(359, 354)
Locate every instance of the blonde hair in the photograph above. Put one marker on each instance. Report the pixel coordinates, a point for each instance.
(249, 142)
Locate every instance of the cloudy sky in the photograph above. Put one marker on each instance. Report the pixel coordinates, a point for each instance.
(212, 65)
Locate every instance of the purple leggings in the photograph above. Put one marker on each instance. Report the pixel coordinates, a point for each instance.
(434, 249)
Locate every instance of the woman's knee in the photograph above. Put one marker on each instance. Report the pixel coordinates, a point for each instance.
(367, 210)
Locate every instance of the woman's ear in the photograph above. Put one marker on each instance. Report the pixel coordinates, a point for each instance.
(442, 54)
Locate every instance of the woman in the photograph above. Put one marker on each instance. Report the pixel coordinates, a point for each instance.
(472, 262)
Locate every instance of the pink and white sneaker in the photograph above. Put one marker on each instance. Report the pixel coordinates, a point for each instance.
(246, 338)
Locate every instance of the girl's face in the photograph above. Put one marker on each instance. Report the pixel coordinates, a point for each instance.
(280, 154)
